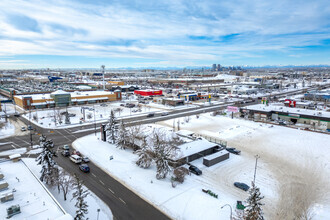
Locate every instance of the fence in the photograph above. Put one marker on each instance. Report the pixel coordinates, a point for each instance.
(214, 140)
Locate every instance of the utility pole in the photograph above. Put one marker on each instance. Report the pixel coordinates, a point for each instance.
(103, 76)
(255, 168)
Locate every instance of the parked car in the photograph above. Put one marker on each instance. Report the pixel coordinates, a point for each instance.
(84, 167)
(122, 104)
(242, 186)
(75, 158)
(23, 128)
(233, 150)
(66, 147)
(71, 115)
(29, 127)
(151, 115)
(76, 153)
(85, 159)
(104, 105)
(193, 169)
(164, 113)
(65, 153)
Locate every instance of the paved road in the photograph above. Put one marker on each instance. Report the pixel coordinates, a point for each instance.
(124, 203)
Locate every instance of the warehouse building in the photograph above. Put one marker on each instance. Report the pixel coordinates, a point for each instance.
(61, 98)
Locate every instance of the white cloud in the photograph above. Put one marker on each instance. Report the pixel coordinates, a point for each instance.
(161, 30)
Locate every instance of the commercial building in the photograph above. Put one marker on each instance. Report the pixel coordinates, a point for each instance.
(61, 98)
(148, 92)
(318, 119)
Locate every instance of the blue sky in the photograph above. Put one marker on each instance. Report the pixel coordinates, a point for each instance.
(172, 33)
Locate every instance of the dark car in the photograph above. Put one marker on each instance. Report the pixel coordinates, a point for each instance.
(242, 186)
(193, 169)
(65, 153)
(76, 153)
(84, 168)
(233, 150)
(29, 127)
(150, 115)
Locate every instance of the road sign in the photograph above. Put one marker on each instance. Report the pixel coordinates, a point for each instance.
(232, 109)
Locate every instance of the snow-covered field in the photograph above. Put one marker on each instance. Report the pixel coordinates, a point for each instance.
(286, 157)
(94, 203)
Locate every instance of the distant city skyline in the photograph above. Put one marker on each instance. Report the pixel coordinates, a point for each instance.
(123, 33)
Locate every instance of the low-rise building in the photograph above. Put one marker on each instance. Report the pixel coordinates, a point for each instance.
(61, 98)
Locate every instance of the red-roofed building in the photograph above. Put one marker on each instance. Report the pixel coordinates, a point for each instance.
(148, 92)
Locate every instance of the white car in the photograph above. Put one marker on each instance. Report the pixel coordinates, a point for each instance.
(75, 158)
(164, 113)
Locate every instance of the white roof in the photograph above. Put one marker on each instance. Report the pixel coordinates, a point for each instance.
(59, 92)
(14, 156)
(194, 147)
(299, 111)
(215, 155)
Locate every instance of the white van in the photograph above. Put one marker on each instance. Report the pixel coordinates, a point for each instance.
(75, 158)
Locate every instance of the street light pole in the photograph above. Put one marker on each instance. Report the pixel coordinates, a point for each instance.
(94, 120)
(231, 210)
(255, 168)
(98, 212)
(30, 128)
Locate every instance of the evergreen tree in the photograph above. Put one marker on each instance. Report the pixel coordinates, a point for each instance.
(122, 138)
(45, 159)
(110, 128)
(253, 209)
(80, 194)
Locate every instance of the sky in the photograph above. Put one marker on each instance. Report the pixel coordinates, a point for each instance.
(171, 33)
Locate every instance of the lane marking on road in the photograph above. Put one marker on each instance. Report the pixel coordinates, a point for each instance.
(102, 182)
(122, 200)
(111, 191)
(63, 135)
(13, 146)
(93, 175)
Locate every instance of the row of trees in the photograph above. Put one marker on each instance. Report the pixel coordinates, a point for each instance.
(157, 148)
(53, 175)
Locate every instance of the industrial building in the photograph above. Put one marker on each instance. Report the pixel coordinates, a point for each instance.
(61, 98)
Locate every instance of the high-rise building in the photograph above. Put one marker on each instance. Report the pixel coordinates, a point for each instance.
(219, 67)
(214, 66)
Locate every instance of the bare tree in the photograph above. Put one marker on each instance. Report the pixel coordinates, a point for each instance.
(145, 154)
(136, 136)
(64, 182)
(118, 110)
(163, 152)
(179, 175)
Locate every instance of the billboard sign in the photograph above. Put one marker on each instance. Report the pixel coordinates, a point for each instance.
(232, 109)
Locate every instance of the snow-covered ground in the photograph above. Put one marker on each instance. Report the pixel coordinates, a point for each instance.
(94, 203)
(6, 128)
(34, 201)
(279, 149)
(45, 118)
